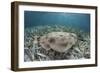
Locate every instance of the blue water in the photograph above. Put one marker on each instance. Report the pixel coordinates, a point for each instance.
(35, 18)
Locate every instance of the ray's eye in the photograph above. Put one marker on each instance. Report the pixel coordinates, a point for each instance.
(51, 40)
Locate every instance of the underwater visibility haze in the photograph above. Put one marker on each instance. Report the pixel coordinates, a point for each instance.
(34, 18)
